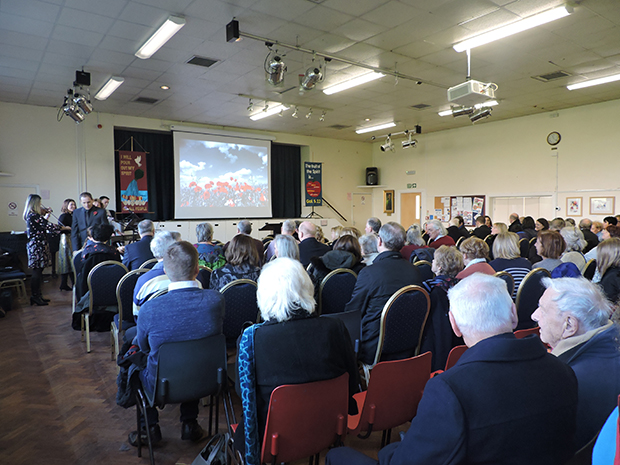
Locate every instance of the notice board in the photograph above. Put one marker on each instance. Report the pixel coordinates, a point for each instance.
(467, 206)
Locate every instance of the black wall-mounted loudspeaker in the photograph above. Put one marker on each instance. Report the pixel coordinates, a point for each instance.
(372, 176)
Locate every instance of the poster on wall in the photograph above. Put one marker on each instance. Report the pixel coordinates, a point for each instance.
(313, 181)
(134, 190)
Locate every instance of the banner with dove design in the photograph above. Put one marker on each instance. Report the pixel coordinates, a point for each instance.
(133, 181)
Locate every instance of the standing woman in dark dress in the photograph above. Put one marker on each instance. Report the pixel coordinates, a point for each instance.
(65, 253)
(38, 248)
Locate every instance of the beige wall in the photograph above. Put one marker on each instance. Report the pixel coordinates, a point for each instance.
(65, 159)
(512, 158)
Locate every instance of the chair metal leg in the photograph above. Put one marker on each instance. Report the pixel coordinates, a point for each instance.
(87, 331)
(210, 415)
(141, 408)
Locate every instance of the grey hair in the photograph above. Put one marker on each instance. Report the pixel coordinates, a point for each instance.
(585, 223)
(437, 225)
(145, 226)
(284, 289)
(581, 298)
(393, 235)
(289, 226)
(414, 235)
(374, 223)
(574, 238)
(481, 304)
(369, 243)
(244, 227)
(286, 246)
(204, 232)
(163, 240)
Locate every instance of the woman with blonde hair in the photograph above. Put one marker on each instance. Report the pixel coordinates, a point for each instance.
(507, 257)
(608, 266)
(38, 249)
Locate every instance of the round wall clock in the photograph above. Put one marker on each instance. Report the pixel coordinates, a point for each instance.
(554, 138)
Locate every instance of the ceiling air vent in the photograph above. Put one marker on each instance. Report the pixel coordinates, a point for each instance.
(338, 126)
(202, 61)
(420, 106)
(148, 100)
(551, 76)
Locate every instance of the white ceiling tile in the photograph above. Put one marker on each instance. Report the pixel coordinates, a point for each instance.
(170, 5)
(354, 7)
(111, 8)
(67, 34)
(85, 20)
(322, 18)
(392, 13)
(289, 12)
(359, 30)
(127, 30)
(329, 43)
(26, 25)
(145, 15)
(31, 9)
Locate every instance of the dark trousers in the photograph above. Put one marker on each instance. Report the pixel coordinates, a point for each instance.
(35, 281)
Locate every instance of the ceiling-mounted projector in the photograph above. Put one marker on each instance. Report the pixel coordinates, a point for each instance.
(472, 92)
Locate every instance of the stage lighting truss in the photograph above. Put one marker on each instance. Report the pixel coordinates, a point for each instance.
(259, 108)
(408, 142)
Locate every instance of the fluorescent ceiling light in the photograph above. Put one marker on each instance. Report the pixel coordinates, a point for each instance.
(109, 87)
(477, 106)
(594, 82)
(161, 36)
(514, 28)
(269, 112)
(376, 128)
(358, 81)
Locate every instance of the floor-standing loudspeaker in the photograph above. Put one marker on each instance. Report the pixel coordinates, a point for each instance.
(372, 176)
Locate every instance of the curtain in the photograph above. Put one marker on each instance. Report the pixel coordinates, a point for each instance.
(285, 181)
(159, 168)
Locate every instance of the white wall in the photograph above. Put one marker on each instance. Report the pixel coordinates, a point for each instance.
(512, 158)
(66, 159)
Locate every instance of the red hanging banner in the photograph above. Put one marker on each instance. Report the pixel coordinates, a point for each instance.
(134, 190)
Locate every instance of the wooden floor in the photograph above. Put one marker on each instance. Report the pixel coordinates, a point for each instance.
(57, 403)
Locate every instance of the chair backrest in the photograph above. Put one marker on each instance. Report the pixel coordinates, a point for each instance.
(589, 269)
(459, 241)
(402, 323)
(241, 307)
(336, 290)
(124, 295)
(526, 332)
(425, 268)
(150, 263)
(204, 276)
(158, 294)
(524, 247)
(189, 370)
(102, 282)
(266, 243)
(455, 355)
(76, 260)
(529, 293)
(508, 279)
(304, 419)
(533, 241)
(353, 322)
(423, 254)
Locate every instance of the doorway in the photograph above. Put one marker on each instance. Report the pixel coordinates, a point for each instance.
(410, 209)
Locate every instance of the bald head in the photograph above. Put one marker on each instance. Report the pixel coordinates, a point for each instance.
(306, 230)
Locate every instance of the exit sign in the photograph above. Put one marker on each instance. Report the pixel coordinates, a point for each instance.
(413, 185)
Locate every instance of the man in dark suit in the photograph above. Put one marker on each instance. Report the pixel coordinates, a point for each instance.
(83, 218)
(137, 253)
(585, 225)
(515, 223)
(457, 229)
(309, 247)
(505, 401)
(482, 230)
(376, 284)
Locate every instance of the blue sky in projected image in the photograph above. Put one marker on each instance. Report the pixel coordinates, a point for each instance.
(204, 161)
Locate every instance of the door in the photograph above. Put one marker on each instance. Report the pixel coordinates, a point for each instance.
(410, 209)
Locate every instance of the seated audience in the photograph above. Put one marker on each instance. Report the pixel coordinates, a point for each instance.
(505, 401)
(210, 254)
(285, 245)
(457, 229)
(155, 279)
(373, 225)
(608, 267)
(292, 346)
(529, 228)
(245, 227)
(94, 252)
(288, 229)
(508, 258)
(611, 231)
(610, 220)
(438, 234)
(488, 221)
(185, 313)
(550, 245)
(242, 262)
(573, 316)
(575, 243)
(346, 254)
(320, 236)
(592, 241)
(376, 284)
(137, 253)
(556, 224)
(308, 246)
(368, 246)
(414, 241)
(482, 230)
(475, 255)
(570, 222)
(438, 337)
(515, 223)
(350, 231)
(336, 232)
(541, 224)
(597, 228)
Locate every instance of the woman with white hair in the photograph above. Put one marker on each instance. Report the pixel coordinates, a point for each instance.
(575, 242)
(292, 346)
(285, 246)
(414, 241)
(209, 253)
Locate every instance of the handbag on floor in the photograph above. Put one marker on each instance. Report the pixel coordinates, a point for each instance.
(218, 451)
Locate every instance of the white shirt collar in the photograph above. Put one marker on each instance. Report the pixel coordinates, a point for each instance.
(184, 285)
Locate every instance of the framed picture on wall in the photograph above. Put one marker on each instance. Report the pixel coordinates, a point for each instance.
(388, 201)
(602, 205)
(573, 206)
